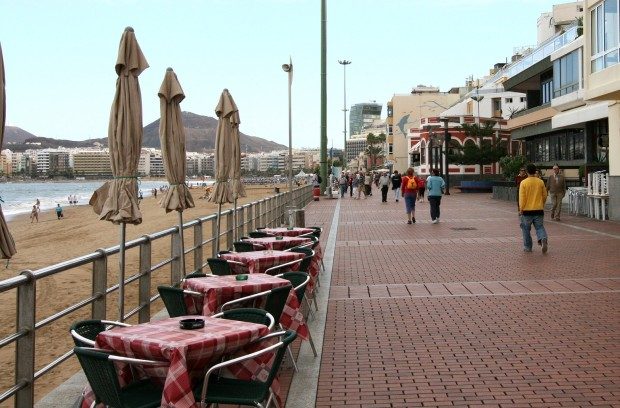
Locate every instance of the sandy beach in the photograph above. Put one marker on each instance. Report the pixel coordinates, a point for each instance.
(80, 232)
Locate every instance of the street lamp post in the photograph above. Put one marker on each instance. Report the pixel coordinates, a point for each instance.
(447, 138)
(344, 64)
(289, 69)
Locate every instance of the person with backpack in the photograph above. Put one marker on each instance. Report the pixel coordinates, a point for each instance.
(409, 188)
(421, 189)
(435, 185)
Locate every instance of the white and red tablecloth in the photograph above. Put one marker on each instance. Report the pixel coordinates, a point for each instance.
(260, 261)
(288, 232)
(188, 352)
(218, 290)
(279, 243)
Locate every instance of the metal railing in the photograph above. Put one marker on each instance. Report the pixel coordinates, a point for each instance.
(271, 211)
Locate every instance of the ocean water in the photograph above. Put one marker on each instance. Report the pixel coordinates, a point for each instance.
(20, 197)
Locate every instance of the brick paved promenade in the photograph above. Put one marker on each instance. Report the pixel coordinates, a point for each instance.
(455, 314)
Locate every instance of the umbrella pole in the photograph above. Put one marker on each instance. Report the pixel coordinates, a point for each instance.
(217, 232)
(182, 242)
(121, 275)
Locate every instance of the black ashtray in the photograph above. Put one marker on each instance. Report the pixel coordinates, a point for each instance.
(191, 324)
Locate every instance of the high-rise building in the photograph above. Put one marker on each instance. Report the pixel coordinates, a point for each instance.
(363, 115)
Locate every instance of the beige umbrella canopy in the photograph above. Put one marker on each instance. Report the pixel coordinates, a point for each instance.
(228, 119)
(227, 126)
(7, 244)
(117, 200)
(172, 137)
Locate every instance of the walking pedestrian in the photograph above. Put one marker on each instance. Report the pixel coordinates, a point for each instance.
(532, 197)
(436, 186)
(396, 181)
(350, 181)
(409, 187)
(59, 214)
(556, 186)
(343, 184)
(34, 214)
(384, 182)
(367, 184)
(360, 185)
(421, 189)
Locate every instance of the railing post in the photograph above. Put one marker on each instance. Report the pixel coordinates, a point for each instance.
(216, 238)
(260, 207)
(99, 285)
(25, 346)
(229, 229)
(241, 222)
(251, 221)
(198, 246)
(144, 285)
(176, 253)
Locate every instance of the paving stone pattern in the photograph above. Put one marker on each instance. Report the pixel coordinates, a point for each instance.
(455, 314)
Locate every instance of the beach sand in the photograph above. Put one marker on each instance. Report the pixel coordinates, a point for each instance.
(80, 232)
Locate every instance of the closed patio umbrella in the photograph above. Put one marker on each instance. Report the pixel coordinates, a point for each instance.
(228, 119)
(117, 200)
(7, 244)
(172, 138)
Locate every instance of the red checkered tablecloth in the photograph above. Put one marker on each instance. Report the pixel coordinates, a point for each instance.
(221, 289)
(283, 231)
(260, 261)
(189, 352)
(284, 242)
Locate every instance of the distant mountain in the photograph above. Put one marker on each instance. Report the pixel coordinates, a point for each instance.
(199, 136)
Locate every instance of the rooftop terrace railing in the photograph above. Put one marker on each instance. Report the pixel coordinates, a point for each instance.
(22, 336)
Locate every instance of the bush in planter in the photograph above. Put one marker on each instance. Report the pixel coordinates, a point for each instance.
(511, 165)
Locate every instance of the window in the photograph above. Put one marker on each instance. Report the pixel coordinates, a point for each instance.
(508, 100)
(566, 76)
(522, 99)
(390, 148)
(390, 111)
(605, 34)
(545, 91)
(559, 146)
(390, 130)
(497, 107)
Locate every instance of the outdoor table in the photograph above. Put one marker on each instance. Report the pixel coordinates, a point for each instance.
(189, 352)
(259, 261)
(218, 290)
(279, 243)
(288, 232)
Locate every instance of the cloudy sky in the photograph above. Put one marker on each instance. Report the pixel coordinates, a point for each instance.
(59, 56)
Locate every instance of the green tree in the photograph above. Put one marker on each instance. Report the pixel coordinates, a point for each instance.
(374, 149)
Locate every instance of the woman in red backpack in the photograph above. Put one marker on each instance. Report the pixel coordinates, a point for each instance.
(409, 189)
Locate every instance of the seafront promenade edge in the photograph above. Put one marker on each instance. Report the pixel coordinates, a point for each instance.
(456, 314)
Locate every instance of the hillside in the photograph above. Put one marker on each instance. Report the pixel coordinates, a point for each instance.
(199, 134)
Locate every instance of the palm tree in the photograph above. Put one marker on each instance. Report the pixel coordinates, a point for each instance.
(374, 149)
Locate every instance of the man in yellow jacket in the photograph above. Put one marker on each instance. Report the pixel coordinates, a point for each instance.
(532, 198)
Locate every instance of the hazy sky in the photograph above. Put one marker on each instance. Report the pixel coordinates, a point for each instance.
(59, 56)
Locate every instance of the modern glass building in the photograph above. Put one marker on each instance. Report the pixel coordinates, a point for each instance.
(363, 115)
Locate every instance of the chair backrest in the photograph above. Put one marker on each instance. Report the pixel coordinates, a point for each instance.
(276, 300)
(101, 375)
(87, 328)
(248, 314)
(241, 246)
(288, 337)
(219, 266)
(195, 275)
(174, 300)
(299, 280)
(259, 234)
(305, 264)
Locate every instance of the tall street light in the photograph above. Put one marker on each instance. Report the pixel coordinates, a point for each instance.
(447, 138)
(289, 69)
(323, 150)
(344, 64)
